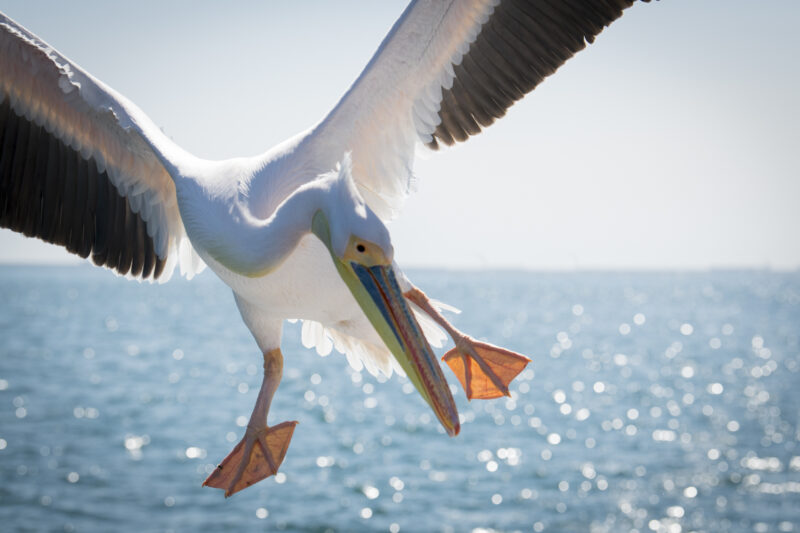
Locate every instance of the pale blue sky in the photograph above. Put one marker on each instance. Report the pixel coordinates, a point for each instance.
(672, 142)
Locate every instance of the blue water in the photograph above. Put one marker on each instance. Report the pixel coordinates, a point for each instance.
(655, 402)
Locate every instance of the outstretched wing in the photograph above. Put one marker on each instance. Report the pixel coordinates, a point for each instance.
(76, 169)
(446, 70)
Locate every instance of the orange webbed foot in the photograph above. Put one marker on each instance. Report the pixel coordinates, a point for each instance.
(484, 370)
(257, 456)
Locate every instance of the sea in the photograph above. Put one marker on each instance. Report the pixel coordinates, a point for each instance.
(655, 402)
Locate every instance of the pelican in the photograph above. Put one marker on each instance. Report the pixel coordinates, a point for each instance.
(297, 232)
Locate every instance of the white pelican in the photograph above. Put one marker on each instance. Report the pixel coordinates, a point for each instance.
(296, 232)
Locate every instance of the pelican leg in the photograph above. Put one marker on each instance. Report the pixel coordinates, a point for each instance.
(484, 370)
(260, 453)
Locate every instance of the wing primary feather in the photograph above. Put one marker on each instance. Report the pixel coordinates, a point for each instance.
(554, 34)
(21, 210)
(57, 234)
(118, 228)
(89, 211)
(530, 43)
(126, 244)
(537, 58)
(66, 228)
(585, 16)
(159, 267)
(502, 73)
(148, 258)
(18, 165)
(7, 150)
(474, 98)
(49, 192)
(586, 20)
(441, 134)
(115, 222)
(5, 109)
(494, 98)
(78, 237)
(15, 215)
(450, 118)
(101, 218)
(486, 78)
(136, 240)
(497, 36)
(13, 177)
(462, 113)
(34, 204)
(538, 35)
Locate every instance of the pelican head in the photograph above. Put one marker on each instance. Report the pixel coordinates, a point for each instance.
(362, 252)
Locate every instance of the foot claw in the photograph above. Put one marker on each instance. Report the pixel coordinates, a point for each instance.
(484, 370)
(257, 456)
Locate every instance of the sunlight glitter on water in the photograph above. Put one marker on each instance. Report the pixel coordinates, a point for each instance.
(684, 420)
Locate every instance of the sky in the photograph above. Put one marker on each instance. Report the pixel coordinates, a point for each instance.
(673, 142)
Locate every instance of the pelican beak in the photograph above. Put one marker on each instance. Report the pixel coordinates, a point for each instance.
(377, 292)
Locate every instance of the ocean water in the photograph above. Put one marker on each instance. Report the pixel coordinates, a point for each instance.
(665, 402)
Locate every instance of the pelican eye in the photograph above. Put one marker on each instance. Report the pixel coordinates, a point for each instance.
(361, 248)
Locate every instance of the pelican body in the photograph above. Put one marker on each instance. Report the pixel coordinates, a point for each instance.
(298, 232)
